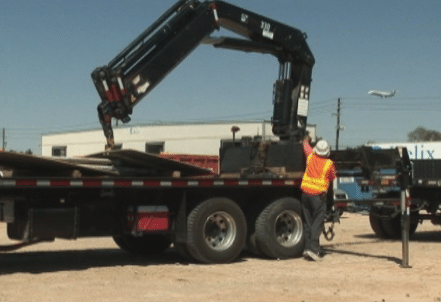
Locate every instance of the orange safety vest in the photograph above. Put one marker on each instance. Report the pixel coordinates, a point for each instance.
(315, 180)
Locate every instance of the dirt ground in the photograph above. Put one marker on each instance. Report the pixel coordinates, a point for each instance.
(357, 267)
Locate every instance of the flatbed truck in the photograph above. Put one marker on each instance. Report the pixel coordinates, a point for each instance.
(148, 203)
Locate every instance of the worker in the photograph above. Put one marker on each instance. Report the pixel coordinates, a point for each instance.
(319, 174)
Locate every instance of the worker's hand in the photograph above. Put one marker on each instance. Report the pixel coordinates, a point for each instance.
(307, 139)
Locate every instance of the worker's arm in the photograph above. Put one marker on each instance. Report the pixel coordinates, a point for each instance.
(307, 149)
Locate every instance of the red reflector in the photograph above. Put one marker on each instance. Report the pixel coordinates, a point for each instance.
(91, 183)
(26, 183)
(60, 183)
(152, 221)
(123, 183)
(254, 182)
(149, 218)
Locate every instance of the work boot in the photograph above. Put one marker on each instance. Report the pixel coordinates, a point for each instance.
(311, 256)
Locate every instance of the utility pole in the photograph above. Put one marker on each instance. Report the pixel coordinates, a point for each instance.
(4, 139)
(337, 136)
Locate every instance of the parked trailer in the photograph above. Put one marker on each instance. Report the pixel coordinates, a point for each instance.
(423, 195)
(378, 185)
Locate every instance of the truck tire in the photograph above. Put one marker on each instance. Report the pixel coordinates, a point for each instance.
(392, 227)
(217, 231)
(279, 229)
(376, 223)
(149, 244)
(414, 221)
(252, 245)
(182, 250)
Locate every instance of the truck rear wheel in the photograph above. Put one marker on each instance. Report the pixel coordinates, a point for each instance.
(149, 244)
(252, 245)
(217, 231)
(392, 226)
(279, 229)
(376, 223)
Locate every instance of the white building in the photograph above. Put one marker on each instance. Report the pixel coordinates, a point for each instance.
(178, 138)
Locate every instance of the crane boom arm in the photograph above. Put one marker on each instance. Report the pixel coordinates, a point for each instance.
(135, 71)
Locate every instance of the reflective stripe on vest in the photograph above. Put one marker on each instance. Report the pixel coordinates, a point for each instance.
(317, 185)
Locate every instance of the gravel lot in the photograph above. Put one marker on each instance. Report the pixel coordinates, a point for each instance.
(357, 267)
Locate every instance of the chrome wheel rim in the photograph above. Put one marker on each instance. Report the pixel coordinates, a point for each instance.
(220, 230)
(288, 228)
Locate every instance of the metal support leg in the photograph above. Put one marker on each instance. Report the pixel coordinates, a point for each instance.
(405, 226)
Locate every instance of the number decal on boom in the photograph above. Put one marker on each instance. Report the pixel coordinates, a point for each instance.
(266, 30)
(265, 26)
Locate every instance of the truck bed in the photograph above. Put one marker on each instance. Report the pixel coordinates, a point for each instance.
(112, 163)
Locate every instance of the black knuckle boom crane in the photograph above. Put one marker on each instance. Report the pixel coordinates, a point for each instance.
(134, 72)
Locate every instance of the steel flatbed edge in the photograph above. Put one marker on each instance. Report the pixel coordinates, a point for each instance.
(123, 182)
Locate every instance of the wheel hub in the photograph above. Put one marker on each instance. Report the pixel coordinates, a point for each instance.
(219, 230)
(288, 228)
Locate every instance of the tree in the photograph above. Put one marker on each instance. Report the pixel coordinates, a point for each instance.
(421, 134)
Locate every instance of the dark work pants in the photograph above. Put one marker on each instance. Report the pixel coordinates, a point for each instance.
(314, 210)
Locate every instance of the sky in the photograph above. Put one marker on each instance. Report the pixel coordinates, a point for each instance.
(49, 48)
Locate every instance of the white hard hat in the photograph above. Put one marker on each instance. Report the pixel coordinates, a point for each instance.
(322, 148)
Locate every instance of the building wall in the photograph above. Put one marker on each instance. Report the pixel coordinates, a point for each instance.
(195, 138)
(417, 150)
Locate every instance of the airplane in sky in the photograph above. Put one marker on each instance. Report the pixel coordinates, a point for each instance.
(382, 94)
